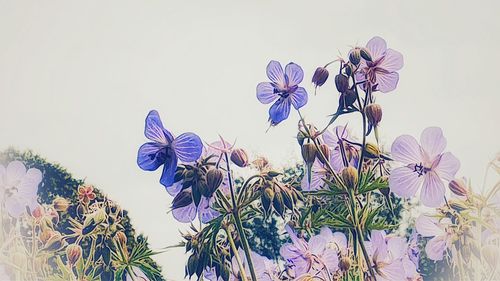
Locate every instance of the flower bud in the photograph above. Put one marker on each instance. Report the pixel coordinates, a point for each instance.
(239, 157)
(267, 198)
(344, 263)
(348, 67)
(350, 177)
(355, 56)
(278, 203)
(320, 76)
(309, 152)
(73, 254)
(121, 237)
(373, 114)
(55, 242)
(372, 151)
(61, 204)
(458, 187)
(342, 83)
(214, 179)
(347, 99)
(365, 54)
(325, 150)
(45, 235)
(301, 137)
(182, 199)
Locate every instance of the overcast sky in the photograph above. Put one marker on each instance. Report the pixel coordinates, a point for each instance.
(77, 80)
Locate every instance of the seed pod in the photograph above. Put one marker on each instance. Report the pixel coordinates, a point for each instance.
(372, 151)
(320, 76)
(342, 83)
(458, 187)
(325, 150)
(309, 152)
(355, 56)
(192, 264)
(182, 199)
(73, 254)
(45, 235)
(385, 191)
(214, 179)
(373, 114)
(365, 54)
(61, 204)
(350, 177)
(239, 157)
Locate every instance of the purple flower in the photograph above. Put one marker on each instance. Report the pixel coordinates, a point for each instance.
(424, 165)
(386, 254)
(166, 150)
(265, 269)
(381, 72)
(283, 90)
(439, 231)
(187, 213)
(18, 188)
(318, 176)
(336, 140)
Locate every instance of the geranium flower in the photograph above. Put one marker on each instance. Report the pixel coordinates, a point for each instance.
(336, 240)
(381, 72)
(386, 255)
(165, 149)
(18, 188)
(86, 193)
(265, 269)
(188, 210)
(424, 165)
(336, 139)
(283, 89)
(439, 230)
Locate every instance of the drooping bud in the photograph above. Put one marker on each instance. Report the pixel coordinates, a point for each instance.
(458, 187)
(267, 198)
(182, 199)
(239, 157)
(320, 76)
(73, 254)
(372, 151)
(45, 235)
(301, 137)
(214, 179)
(355, 56)
(348, 67)
(347, 99)
(373, 114)
(309, 152)
(61, 204)
(325, 150)
(278, 203)
(350, 177)
(342, 83)
(365, 54)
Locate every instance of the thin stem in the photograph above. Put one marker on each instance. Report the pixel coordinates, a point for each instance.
(236, 254)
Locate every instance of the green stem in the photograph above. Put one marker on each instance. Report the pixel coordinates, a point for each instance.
(236, 254)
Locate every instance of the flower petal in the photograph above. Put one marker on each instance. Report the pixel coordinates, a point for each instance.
(299, 98)
(406, 150)
(317, 176)
(168, 174)
(154, 129)
(185, 214)
(393, 271)
(149, 157)
(447, 166)
(433, 142)
(435, 248)
(336, 160)
(279, 111)
(393, 61)
(404, 182)
(397, 246)
(432, 194)
(14, 173)
(294, 74)
(205, 212)
(387, 82)
(15, 206)
(275, 74)
(187, 147)
(175, 188)
(377, 47)
(28, 187)
(428, 226)
(265, 93)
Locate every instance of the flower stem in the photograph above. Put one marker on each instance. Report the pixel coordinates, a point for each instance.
(236, 254)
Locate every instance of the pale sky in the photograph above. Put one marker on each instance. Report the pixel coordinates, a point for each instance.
(78, 78)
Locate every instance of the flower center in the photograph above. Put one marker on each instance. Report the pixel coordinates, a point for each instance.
(421, 169)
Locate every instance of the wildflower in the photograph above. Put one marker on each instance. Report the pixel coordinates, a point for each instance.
(386, 255)
(283, 90)
(86, 193)
(340, 149)
(166, 150)
(19, 187)
(439, 230)
(424, 165)
(265, 269)
(318, 176)
(381, 72)
(186, 212)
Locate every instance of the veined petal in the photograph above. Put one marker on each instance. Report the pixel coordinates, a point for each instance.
(187, 147)
(279, 111)
(299, 98)
(432, 194)
(149, 157)
(265, 93)
(14, 173)
(331, 138)
(406, 150)
(331, 259)
(294, 73)
(185, 214)
(175, 188)
(28, 187)
(15, 206)
(317, 176)
(404, 182)
(340, 240)
(205, 211)
(392, 271)
(435, 248)
(377, 47)
(433, 142)
(154, 129)
(168, 174)
(316, 244)
(428, 226)
(447, 166)
(392, 61)
(410, 268)
(275, 73)
(397, 247)
(387, 82)
(336, 160)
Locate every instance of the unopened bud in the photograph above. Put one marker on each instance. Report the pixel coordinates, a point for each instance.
(355, 56)
(61, 204)
(342, 83)
(267, 198)
(373, 113)
(214, 179)
(301, 137)
(365, 54)
(458, 187)
(325, 150)
(182, 199)
(121, 237)
(73, 254)
(309, 152)
(372, 151)
(348, 98)
(45, 235)
(344, 263)
(350, 177)
(55, 242)
(348, 67)
(239, 157)
(320, 76)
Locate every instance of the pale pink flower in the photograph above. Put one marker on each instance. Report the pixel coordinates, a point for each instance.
(440, 232)
(19, 187)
